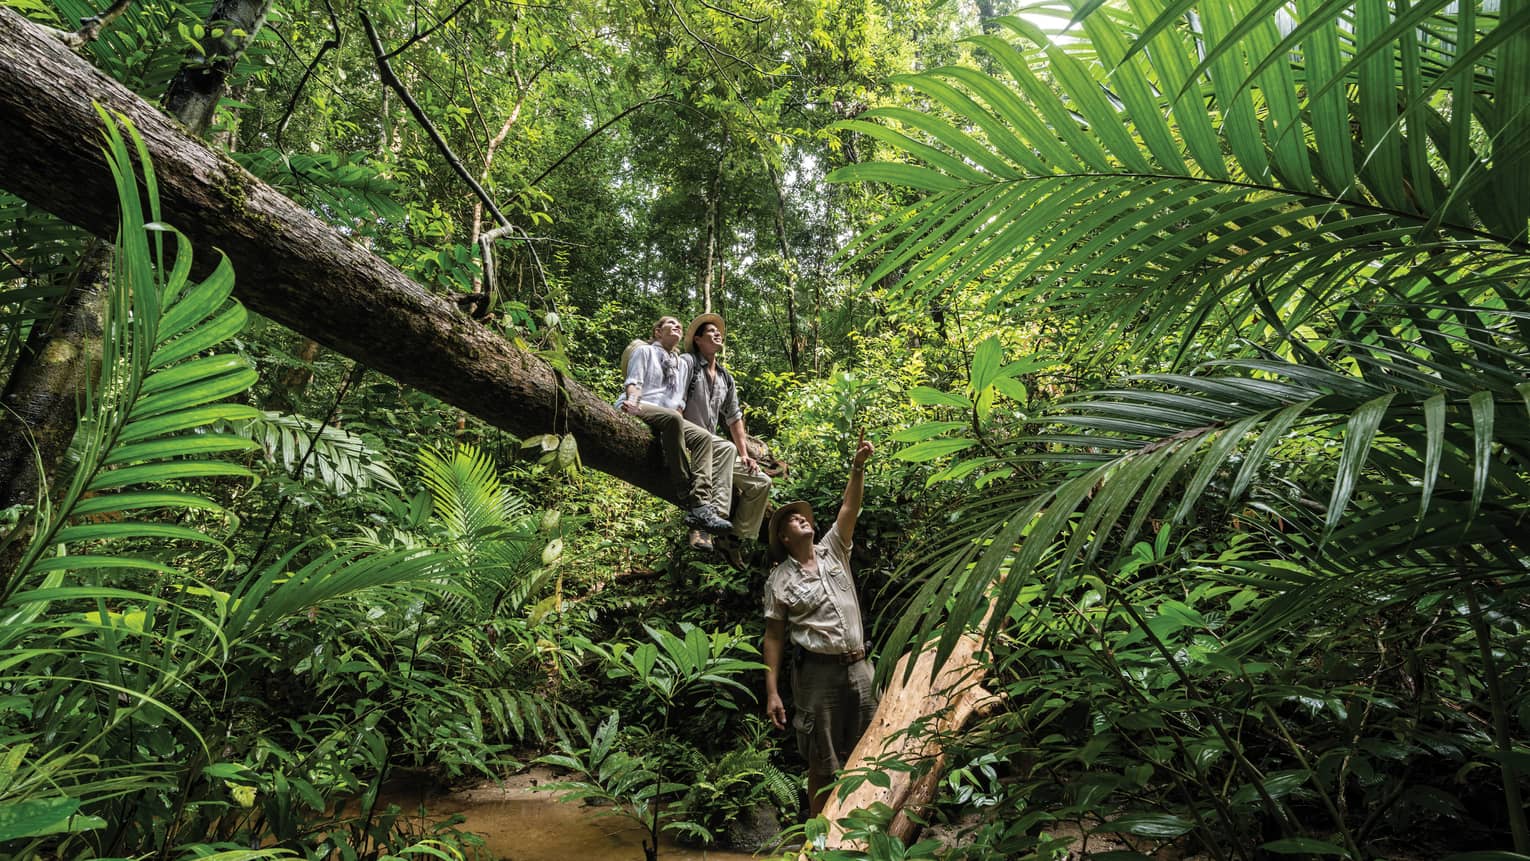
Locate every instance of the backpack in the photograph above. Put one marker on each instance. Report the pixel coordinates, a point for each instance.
(627, 354)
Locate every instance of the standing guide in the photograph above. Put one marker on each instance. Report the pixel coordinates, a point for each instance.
(811, 598)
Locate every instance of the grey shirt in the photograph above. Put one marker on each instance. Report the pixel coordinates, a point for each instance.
(709, 402)
(821, 609)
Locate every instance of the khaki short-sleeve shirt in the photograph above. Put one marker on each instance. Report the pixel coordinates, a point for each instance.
(821, 609)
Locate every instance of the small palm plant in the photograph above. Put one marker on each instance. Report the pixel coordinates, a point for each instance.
(694, 667)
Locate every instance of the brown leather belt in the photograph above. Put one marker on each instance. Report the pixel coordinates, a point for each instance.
(840, 658)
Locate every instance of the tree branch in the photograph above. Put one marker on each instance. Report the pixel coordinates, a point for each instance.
(586, 139)
(292, 267)
(732, 14)
(385, 71)
(91, 27)
(297, 92)
(429, 30)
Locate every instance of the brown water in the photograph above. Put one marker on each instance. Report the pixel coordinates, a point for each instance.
(520, 824)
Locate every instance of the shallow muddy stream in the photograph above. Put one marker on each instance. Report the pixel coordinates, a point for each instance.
(520, 824)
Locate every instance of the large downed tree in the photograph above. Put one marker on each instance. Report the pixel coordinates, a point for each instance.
(291, 266)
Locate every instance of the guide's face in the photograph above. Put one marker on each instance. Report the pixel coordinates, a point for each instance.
(795, 526)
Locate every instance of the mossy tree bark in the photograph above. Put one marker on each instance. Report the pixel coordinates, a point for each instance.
(39, 408)
(290, 266)
(40, 404)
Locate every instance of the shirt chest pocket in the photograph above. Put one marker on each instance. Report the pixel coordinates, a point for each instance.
(803, 596)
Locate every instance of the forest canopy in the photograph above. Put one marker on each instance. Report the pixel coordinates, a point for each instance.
(1191, 337)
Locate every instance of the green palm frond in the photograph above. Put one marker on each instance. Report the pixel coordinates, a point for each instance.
(142, 432)
(1113, 154)
(1307, 205)
(106, 640)
(489, 527)
(466, 491)
(1420, 470)
(100, 630)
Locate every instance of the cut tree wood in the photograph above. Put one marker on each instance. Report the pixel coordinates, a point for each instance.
(289, 265)
(941, 703)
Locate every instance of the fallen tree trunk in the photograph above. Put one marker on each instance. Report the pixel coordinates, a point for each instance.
(289, 265)
(940, 704)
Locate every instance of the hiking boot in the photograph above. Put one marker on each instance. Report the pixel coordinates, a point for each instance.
(699, 541)
(704, 518)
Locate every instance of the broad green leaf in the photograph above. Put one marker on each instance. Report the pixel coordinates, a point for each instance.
(39, 817)
(1012, 389)
(929, 397)
(987, 359)
(220, 328)
(1358, 435)
(143, 429)
(934, 448)
(1162, 825)
(902, 175)
(925, 430)
(167, 471)
(1482, 447)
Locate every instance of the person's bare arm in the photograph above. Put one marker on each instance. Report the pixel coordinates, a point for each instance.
(775, 645)
(850, 508)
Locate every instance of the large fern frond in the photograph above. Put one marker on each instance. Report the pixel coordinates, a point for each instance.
(332, 456)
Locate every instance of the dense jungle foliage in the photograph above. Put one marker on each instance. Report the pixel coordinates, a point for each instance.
(1192, 337)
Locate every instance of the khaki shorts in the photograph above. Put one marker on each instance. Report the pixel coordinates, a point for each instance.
(834, 705)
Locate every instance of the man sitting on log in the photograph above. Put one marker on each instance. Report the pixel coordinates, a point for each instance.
(711, 399)
(811, 597)
(653, 392)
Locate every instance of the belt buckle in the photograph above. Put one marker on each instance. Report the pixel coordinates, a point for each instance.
(848, 658)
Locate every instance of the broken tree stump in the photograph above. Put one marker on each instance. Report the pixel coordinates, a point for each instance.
(941, 703)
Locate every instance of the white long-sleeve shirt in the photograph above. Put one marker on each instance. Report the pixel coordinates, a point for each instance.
(659, 376)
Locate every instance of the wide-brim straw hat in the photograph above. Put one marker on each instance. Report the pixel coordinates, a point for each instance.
(696, 324)
(777, 549)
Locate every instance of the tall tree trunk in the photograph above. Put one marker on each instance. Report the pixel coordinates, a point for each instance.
(40, 404)
(794, 342)
(197, 88)
(42, 393)
(709, 245)
(291, 267)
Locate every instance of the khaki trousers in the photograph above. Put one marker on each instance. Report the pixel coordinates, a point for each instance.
(712, 459)
(727, 474)
(753, 495)
(683, 446)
